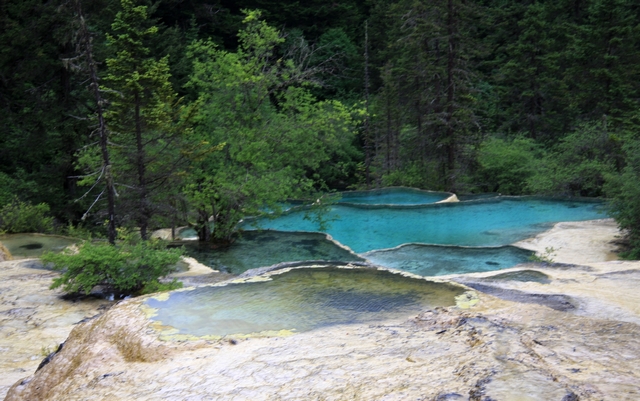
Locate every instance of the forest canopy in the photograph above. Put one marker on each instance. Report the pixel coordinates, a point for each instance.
(133, 113)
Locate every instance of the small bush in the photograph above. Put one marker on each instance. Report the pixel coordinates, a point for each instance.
(79, 231)
(413, 175)
(125, 269)
(505, 166)
(23, 217)
(580, 163)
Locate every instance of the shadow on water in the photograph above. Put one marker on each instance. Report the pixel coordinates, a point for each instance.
(34, 245)
(265, 248)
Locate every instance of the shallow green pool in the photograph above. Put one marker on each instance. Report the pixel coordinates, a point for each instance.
(34, 245)
(299, 300)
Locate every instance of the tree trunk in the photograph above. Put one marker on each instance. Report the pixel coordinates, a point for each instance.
(204, 231)
(143, 220)
(102, 127)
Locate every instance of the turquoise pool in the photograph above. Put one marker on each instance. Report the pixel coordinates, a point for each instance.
(495, 222)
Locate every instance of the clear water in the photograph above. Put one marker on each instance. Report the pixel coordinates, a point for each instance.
(496, 222)
(430, 260)
(265, 248)
(300, 300)
(34, 245)
(393, 196)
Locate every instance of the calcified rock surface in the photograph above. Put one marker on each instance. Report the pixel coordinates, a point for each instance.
(548, 332)
(33, 319)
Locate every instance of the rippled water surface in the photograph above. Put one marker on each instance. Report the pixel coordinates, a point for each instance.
(301, 299)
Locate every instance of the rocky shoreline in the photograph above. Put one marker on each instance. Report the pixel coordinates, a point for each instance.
(568, 330)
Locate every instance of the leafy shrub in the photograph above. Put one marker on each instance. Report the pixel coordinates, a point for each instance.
(579, 164)
(23, 217)
(505, 166)
(79, 231)
(413, 175)
(127, 268)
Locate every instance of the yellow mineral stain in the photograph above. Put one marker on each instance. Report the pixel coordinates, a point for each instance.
(164, 296)
(467, 300)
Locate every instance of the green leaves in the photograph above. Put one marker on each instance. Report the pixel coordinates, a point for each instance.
(274, 130)
(148, 125)
(23, 217)
(505, 166)
(127, 268)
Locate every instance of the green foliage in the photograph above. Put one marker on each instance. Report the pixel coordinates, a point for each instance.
(505, 166)
(38, 97)
(578, 165)
(424, 112)
(126, 268)
(412, 174)
(7, 186)
(157, 286)
(147, 125)
(80, 231)
(262, 134)
(23, 217)
(438, 78)
(624, 189)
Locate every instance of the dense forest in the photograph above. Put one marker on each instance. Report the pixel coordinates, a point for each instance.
(133, 113)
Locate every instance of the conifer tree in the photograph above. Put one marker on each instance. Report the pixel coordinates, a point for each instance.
(86, 48)
(142, 116)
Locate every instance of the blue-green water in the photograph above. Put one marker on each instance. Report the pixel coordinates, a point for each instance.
(393, 196)
(300, 300)
(265, 248)
(392, 236)
(495, 222)
(433, 260)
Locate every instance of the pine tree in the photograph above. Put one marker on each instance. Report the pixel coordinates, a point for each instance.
(428, 76)
(91, 68)
(142, 117)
